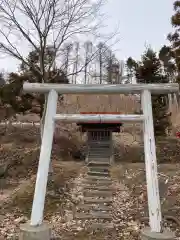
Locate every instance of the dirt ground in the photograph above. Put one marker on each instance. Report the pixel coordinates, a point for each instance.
(21, 149)
(131, 209)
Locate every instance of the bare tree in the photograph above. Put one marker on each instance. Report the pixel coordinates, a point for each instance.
(76, 62)
(88, 53)
(109, 65)
(68, 49)
(40, 24)
(36, 25)
(43, 23)
(100, 48)
(102, 64)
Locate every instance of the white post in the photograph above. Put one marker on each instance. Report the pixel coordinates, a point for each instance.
(44, 160)
(87, 146)
(170, 102)
(175, 102)
(112, 148)
(155, 217)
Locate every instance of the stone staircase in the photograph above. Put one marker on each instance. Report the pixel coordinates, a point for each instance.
(96, 206)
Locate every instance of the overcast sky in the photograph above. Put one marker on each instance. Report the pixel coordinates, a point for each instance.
(140, 22)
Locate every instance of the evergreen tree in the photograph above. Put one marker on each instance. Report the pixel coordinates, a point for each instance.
(131, 66)
(174, 38)
(166, 57)
(149, 70)
(12, 94)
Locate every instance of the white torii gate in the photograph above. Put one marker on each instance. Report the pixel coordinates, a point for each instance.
(155, 217)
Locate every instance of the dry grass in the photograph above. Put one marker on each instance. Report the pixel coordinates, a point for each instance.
(20, 147)
(16, 208)
(21, 199)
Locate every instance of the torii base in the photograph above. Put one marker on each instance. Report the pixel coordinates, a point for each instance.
(146, 234)
(28, 232)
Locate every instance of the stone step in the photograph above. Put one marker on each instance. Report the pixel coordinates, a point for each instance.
(99, 150)
(99, 144)
(99, 158)
(97, 183)
(97, 200)
(89, 207)
(93, 215)
(103, 159)
(96, 193)
(98, 173)
(99, 155)
(99, 178)
(99, 147)
(100, 226)
(105, 163)
(100, 162)
(96, 187)
(102, 142)
(99, 168)
(104, 153)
